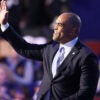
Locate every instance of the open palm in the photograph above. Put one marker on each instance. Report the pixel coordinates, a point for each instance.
(3, 12)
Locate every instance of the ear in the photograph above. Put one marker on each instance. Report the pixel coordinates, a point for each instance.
(74, 30)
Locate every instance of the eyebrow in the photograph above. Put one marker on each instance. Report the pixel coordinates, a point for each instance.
(62, 24)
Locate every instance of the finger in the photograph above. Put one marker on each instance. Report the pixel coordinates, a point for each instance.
(3, 5)
(2, 0)
(0, 6)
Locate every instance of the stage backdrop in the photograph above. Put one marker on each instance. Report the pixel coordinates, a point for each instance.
(89, 11)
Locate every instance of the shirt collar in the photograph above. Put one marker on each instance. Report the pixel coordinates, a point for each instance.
(70, 43)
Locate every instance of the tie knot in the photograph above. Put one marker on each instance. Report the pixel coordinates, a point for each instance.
(62, 50)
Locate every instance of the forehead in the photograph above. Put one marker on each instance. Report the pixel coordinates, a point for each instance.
(62, 19)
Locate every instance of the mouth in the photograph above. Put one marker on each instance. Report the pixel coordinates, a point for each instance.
(56, 35)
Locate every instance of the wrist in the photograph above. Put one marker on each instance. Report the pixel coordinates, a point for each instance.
(4, 26)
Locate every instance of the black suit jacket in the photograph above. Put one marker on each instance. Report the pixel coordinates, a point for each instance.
(77, 76)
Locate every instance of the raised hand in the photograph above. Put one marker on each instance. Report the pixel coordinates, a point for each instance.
(3, 12)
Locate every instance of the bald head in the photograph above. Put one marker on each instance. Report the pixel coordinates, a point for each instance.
(67, 27)
(73, 19)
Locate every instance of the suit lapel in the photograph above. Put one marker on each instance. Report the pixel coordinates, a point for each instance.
(53, 50)
(67, 61)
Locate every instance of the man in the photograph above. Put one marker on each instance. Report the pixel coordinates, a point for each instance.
(70, 68)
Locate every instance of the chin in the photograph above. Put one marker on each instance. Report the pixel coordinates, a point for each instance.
(55, 39)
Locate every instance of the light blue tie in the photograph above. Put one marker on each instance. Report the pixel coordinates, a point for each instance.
(61, 56)
(58, 60)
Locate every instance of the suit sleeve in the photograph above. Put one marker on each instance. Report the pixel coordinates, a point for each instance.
(88, 80)
(21, 46)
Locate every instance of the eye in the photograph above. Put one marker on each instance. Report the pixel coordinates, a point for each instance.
(60, 24)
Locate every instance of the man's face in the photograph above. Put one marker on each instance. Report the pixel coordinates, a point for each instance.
(58, 30)
(62, 29)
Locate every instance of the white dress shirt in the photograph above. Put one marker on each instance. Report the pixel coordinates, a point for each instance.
(68, 46)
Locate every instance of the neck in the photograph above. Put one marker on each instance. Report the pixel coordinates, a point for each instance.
(66, 40)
